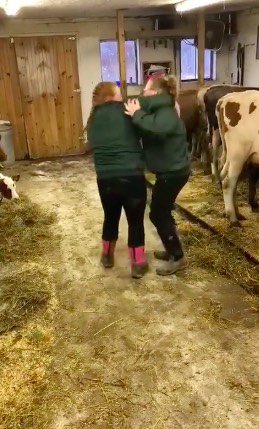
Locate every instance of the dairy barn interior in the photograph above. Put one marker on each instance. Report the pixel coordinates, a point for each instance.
(84, 347)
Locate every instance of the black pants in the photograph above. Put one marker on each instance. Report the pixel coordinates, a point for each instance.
(164, 194)
(129, 193)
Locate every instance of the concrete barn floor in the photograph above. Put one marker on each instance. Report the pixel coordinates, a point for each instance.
(140, 354)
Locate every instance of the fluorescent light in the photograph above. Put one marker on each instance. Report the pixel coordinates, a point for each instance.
(187, 5)
(12, 7)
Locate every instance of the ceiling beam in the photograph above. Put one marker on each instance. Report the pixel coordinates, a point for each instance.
(162, 34)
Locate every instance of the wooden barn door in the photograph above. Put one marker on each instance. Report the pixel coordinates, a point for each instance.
(49, 82)
(10, 97)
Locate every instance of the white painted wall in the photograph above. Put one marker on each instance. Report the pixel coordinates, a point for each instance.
(89, 33)
(223, 75)
(247, 23)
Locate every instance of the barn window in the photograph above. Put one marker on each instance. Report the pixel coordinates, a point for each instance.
(189, 62)
(110, 61)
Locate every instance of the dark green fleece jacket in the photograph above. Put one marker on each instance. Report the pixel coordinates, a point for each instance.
(163, 135)
(115, 142)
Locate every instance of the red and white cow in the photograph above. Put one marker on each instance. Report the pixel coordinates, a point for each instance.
(207, 99)
(238, 119)
(8, 187)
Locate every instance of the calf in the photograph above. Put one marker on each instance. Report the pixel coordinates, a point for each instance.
(211, 98)
(8, 187)
(238, 120)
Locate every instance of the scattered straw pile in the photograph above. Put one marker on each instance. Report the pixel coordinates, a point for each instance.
(212, 253)
(27, 304)
(22, 293)
(25, 230)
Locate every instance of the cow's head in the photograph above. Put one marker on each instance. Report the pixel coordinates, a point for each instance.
(8, 187)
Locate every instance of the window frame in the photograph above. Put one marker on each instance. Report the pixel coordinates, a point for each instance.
(137, 63)
(212, 65)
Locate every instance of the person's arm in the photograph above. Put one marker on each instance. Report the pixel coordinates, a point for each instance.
(177, 108)
(159, 123)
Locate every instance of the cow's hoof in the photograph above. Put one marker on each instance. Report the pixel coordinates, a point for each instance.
(240, 216)
(235, 224)
(255, 209)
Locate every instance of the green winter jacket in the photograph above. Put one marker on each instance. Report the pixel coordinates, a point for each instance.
(163, 136)
(115, 142)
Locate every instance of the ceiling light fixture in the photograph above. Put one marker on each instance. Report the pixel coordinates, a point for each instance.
(188, 5)
(12, 7)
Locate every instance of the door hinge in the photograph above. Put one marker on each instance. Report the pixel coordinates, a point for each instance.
(77, 90)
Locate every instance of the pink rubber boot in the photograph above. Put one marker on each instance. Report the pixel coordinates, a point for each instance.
(108, 248)
(139, 265)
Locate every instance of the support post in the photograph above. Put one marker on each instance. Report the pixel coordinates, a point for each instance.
(201, 47)
(121, 51)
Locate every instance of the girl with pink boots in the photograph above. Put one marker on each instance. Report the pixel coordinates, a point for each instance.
(119, 165)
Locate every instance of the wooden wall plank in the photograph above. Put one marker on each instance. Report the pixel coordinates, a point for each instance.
(78, 131)
(65, 123)
(11, 102)
(36, 117)
(24, 80)
(74, 102)
(60, 112)
(57, 142)
(4, 114)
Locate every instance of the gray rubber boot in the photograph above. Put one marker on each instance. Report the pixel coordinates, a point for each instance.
(172, 267)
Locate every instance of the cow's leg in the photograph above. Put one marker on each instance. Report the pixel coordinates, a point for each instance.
(229, 191)
(202, 144)
(239, 216)
(206, 153)
(189, 140)
(253, 179)
(197, 144)
(215, 152)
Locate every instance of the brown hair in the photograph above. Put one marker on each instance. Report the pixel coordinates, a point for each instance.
(166, 84)
(101, 94)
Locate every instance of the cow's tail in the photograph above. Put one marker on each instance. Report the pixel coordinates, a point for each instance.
(223, 164)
